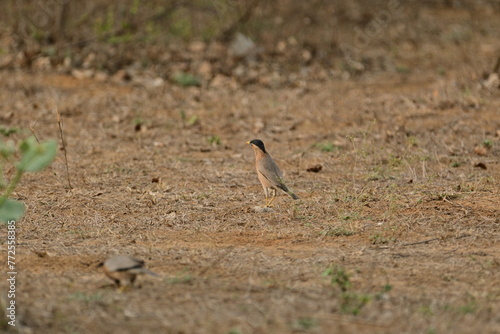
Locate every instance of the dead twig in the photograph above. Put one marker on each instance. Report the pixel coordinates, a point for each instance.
(59, 123)
(421, 242)
(32, 129)
(456, 205)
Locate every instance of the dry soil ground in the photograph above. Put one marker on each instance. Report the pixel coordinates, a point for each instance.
(397, 233)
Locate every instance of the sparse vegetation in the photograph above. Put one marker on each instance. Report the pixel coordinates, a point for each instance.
(351, 302)
(214, 140)
(326, 147)
(393, 156)
(184, 278)
(33, 157)
(305, 324)
(186, 79)
(488, 143)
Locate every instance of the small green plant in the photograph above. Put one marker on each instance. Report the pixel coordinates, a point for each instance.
(338, 276)
(467, 308)
(181, 25)
(183, 115)
(351, 302)
(402, 69)
(394, 160)
(234, 331)
(349, 216)
(338, 232)
(8, 131)
(386, 288)
(214, 140)
(326, 147)
(188, 121)
(193, 120)
(380, 238)
(86, 298)
(181, 279)
(304, 324)
(138, 123)
(488, 143)
(186, 79)
(426, 310)
(33, 157)
(470, 307)
(448, 196)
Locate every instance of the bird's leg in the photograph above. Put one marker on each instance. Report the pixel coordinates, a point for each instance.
(122, 288)
(273, 195)
(266, 193)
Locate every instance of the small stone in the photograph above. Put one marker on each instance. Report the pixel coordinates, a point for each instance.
(306, 55)
(82, 74)
(243, 47)
(281, 47)
(197, 46)
(480, 150)
(101, 76)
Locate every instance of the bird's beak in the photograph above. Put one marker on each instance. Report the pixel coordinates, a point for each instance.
(248, 142)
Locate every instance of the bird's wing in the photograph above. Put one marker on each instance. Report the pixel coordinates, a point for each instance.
(271, 172)
(123, 262)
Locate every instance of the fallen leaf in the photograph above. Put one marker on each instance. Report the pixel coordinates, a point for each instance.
(315, 169)
(480, 165)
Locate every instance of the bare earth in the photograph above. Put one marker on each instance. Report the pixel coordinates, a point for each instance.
(401, 204)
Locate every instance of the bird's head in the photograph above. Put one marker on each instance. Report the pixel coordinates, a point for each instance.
(258, 144)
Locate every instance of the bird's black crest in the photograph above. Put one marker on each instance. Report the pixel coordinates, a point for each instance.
(259, 144)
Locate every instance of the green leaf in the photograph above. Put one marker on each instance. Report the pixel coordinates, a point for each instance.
(193, 120)
(36, 156)
(8, 131)
(11, 210)
(7, 149)
(186, 79)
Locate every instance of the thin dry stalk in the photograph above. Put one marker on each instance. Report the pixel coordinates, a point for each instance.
(59, 123)
(32, 129)
(421, 242)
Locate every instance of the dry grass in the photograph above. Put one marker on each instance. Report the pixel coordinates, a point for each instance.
(399, 205)
(384, 185)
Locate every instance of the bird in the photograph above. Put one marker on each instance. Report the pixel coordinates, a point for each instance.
(270, 176)
(123, 270)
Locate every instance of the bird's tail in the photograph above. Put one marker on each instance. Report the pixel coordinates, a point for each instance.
(288, 191)
(149, 272)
